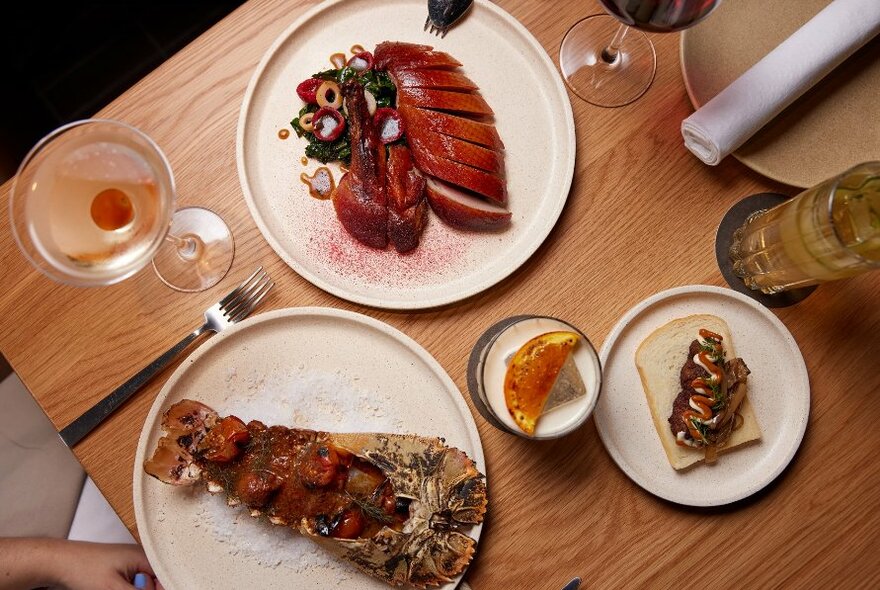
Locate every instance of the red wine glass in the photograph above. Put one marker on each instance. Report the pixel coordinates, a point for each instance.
(608, 63)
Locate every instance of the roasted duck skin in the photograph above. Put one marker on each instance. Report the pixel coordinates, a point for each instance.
(438, 79)
(459, 150)
(448, 124)
(360, 199)
(393, 505)
(437, 102)
(382, 196)
(408, 206)
(464, 211)
(445, 100)
(449, 137)
(489, 186)
(395, 54)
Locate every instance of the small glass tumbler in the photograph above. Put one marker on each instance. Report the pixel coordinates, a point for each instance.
(828, 232)
(489, 362)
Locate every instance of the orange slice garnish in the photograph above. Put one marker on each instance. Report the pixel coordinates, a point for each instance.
(532, 373)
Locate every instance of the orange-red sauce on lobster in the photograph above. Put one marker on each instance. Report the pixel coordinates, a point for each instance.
(704, 402)
(290, 475)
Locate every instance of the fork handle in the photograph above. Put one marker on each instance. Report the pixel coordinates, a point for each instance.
(79, 428)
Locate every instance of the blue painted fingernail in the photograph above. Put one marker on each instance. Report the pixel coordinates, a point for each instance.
(140, 581)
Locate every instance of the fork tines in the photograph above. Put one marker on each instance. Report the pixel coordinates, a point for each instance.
(435, 30)
(244, 298)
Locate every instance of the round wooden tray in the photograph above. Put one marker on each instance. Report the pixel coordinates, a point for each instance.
(835, 125)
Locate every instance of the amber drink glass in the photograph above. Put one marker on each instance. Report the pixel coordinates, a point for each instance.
(828, 232)
(94, 202)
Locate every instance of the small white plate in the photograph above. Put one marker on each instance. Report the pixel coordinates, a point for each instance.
(778, 388)
(532, 114)
(316, 368)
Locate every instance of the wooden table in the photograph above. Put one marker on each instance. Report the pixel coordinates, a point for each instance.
(640, 218)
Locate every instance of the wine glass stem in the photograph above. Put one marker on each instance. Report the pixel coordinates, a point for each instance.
(611, 54)
(188, 247)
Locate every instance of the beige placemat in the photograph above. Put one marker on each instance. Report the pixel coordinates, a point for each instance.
(830, 128)
(40, 480)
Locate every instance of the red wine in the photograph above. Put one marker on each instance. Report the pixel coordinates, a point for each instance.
(661, 16)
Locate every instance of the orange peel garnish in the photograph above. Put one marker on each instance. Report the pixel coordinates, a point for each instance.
(532, 373)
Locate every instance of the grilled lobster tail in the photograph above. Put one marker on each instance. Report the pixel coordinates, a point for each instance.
(395, 506)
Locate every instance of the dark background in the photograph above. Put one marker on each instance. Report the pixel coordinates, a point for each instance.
(66, 61)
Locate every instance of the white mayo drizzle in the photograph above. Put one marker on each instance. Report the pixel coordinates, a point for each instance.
(711, 421)
(703, 391)
(682, 438)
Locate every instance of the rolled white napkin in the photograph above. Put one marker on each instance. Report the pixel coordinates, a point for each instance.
(728, 120)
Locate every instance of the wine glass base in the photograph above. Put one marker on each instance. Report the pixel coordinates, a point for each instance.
(205, 265)
(733, 220)
(598, 81)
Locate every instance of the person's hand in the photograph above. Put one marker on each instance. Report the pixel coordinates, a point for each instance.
(98, 566)
(72, 565)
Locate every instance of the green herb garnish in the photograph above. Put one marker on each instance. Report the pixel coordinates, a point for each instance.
(332, 75)
(371, 510)
(378, 84)
(339, 150)
(703, 429)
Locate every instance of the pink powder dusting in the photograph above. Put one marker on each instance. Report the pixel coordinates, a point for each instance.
(441, 249)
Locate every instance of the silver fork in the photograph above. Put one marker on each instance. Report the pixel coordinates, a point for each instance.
(236, 306)
(442, 14)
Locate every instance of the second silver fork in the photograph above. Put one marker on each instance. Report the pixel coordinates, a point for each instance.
(236, 306)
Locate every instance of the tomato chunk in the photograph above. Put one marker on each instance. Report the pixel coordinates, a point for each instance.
(318, 467)
(224, 442)
(349, 524)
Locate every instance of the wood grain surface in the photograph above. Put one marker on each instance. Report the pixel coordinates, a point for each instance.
(640, 218)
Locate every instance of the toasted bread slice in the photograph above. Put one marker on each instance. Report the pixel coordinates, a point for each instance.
(659, 360)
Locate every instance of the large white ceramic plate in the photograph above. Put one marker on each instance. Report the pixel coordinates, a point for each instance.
(310, 367)
(778, 389)
(533, 117)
